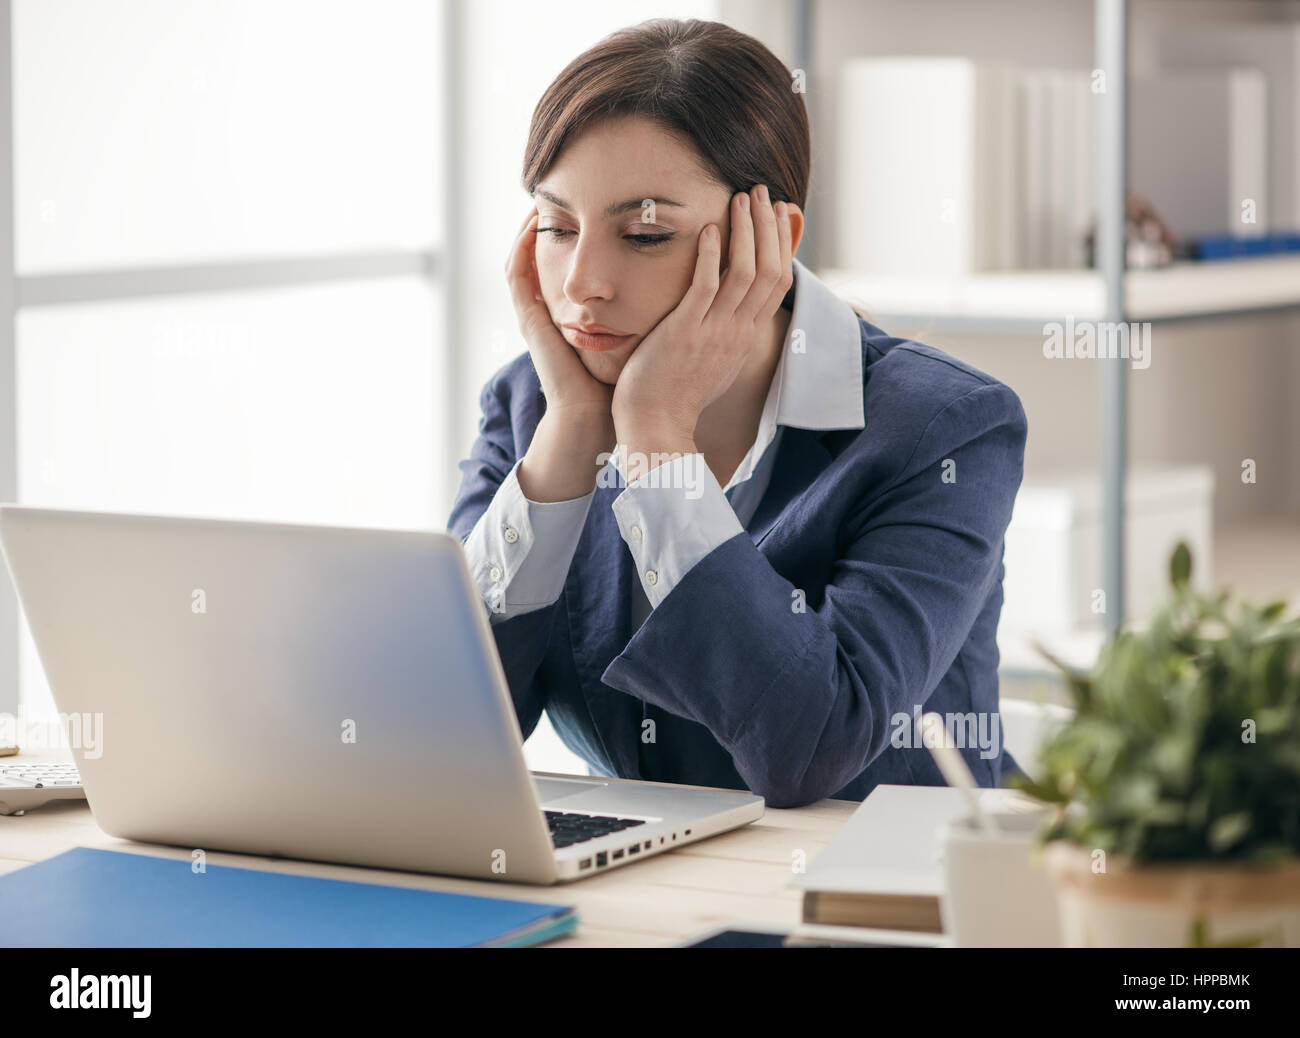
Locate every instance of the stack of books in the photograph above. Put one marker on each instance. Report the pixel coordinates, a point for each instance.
(950, 166)
(882, 870)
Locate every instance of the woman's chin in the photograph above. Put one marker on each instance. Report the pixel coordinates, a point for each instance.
(603, 367)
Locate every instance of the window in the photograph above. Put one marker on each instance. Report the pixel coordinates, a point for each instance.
(226, 218)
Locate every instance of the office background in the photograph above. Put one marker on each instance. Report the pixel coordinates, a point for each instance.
(254, 269)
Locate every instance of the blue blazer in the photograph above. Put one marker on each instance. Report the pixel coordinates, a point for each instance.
(894, 535)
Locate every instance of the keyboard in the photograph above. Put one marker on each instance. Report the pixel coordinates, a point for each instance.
(28, 784)
(568, 828)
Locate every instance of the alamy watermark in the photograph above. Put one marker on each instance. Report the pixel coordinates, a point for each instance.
(975, 729)
(130, 991)
(654, 470)
(49, 731)
(1098, 340)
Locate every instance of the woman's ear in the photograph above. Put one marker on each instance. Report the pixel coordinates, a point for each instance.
(796, 226)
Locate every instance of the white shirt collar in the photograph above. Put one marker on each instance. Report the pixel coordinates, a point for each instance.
(818, 380)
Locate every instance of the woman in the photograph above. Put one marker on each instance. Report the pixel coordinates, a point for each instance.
(729, 533)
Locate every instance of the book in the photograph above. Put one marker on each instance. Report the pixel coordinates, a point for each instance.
(1272, 47)
(1055, 154)
(1200, 153)
(922, 181)
(952, 166)
(89, 898)
(881, 870)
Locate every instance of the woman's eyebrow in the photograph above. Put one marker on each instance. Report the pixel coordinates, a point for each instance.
(613, 210)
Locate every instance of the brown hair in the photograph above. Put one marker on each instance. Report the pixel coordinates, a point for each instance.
(716, 88)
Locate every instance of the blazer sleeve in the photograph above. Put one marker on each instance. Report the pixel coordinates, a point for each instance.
(521, 639)
(802, 698)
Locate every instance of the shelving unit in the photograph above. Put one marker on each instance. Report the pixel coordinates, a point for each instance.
(1025, 299)
(1022, 301)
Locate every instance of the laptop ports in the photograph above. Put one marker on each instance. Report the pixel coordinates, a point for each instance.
(618, 854)
(585, 863)
(602, 859)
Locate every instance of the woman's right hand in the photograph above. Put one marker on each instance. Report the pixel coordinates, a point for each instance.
(569, 387)
(577, 428)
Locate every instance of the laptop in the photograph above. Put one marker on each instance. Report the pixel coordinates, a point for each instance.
(325, 693)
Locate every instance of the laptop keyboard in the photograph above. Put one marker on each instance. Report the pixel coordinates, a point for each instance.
(38, 776)
(568, 828)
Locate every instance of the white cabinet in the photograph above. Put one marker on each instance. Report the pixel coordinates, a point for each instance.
(1054, 550)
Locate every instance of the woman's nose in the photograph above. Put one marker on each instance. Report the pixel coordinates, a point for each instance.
(589, 272)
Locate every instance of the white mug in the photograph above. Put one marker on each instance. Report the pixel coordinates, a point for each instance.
(996, 891)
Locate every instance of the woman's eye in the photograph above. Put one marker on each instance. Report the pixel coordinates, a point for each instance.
(639, 240)
(648, 239)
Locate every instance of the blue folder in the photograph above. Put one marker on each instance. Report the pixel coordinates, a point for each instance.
(87, 898)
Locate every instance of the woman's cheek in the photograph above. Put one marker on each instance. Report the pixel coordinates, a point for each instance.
(674, 281)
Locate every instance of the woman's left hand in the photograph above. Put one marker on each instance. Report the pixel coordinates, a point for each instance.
(692, 356)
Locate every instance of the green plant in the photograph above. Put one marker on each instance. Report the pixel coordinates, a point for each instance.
(1185, 743)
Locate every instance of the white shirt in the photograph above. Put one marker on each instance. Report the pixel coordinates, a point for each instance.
(670, 518)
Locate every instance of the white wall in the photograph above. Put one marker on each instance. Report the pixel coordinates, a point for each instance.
(1216, 392)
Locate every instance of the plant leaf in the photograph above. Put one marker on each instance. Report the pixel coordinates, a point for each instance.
(1037, 790)
(1228, 830)
(1180, 565)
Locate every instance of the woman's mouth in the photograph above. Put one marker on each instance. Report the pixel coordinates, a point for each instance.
(597, 337)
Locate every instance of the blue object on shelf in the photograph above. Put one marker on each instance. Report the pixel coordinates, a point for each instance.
(1236, 246)
(87, 898)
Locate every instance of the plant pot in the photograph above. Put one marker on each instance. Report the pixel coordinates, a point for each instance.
(1177, 905)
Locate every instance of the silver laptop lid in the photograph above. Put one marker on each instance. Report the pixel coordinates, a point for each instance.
(314, 692)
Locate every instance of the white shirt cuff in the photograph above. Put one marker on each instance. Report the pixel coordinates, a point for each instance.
(670, 518)
(519, 551)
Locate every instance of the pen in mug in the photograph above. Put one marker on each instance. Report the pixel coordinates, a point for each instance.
(954, 769)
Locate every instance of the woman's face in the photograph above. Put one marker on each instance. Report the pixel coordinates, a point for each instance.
(605, 256)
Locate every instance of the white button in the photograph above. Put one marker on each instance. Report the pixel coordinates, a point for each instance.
(512, 534)
(495, 573)
(636, 533)
(651, 577)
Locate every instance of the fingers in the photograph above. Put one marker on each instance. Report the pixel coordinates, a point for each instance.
(760, 271)
(754, 307)
(740, 262)
(786, 262)
(695, 305)
(544, 340)
(525, 288)
(524, 242)
(520, 264)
